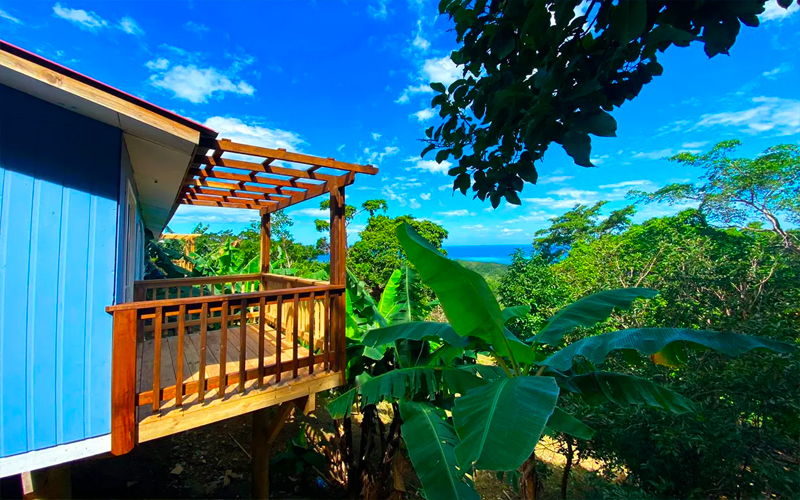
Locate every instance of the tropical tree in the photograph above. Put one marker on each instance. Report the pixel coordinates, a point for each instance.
(542, 72)
(350, 212)
(375, 256)
(502, 410)
(743, 192)
(579, 224)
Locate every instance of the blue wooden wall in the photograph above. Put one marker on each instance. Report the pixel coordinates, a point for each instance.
(59, 185)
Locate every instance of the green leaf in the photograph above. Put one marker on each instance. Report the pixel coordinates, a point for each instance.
(628, 20)
(469, 304)
(438, 87)
(666, 33)
(579, 147)
(415, 330)
(589, 311)
(650, 341)
(625, 390)
(500, 423)
(430, 441)
(395, 303)
(510, 313)
(405, 382)
(442, 155)
(562, 421)
(600, 124)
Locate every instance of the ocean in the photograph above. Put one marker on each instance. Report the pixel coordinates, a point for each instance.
(499, 254)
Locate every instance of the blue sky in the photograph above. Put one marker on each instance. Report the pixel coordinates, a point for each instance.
(350, 80)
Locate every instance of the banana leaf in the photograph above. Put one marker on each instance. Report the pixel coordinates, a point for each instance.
(500, 423)
(562, 421)
(602, 387)
(589, 311)
(652, 341)
(430, 441)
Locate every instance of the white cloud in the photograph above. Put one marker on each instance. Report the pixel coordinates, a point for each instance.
(365, 188)
(554, 179)
(773, 73)
(157, 64)
(456, 213)
(692, 145)
(566, 197)
(379, 11)
(509, 232)
(8, 17)
(531, 216)
(252, 133)
(411, 90)
(425, 196)
(654, 155)
(429, 165)
(311, 212)
(376, 136)
(420, 42)
(771, 114)
(129, 26)
(599, 159)
(197, 27)
(424, 114)
(774, 12)
(624, 184)
(414, 204)
(441, 69)
(376, 157)
(444, 187)
(476, 227)
(85, 20)
(196, 85)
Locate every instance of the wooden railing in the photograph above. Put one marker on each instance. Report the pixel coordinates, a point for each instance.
(298, 325)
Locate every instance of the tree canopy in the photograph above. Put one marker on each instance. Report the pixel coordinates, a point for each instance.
(542, 72)
(741, 191)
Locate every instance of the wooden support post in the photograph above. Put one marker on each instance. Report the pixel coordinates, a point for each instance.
(265, 431)
(338, 266)
(260, 451)
(266, 235)
(123, 382)
(47, 484)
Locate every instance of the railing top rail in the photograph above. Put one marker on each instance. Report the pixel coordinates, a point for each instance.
(202, 280)
(286, 292)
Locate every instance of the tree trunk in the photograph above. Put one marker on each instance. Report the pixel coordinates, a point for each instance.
(567, 468)
(530, 488)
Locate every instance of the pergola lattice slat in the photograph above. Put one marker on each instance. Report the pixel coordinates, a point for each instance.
(262, 185)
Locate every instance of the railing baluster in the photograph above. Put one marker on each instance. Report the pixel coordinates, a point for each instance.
(242, 345)
(295, 310)
(326, 345)
(279, 346)
(181, 334)
(262, 303)
(201, 387)
(311, 333)
(223, 348)
(157, 361)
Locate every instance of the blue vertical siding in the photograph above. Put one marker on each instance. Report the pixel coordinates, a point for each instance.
(59, 184)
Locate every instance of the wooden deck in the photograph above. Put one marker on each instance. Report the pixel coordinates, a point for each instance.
(192, 413)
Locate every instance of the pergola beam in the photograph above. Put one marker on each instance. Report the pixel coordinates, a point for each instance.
(226, 145)
(292, 173)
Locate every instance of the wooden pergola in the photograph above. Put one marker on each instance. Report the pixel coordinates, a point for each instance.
(263, 181)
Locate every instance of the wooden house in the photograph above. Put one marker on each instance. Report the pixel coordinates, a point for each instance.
(93, 360)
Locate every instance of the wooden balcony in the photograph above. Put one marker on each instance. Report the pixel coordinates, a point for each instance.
(188, 352)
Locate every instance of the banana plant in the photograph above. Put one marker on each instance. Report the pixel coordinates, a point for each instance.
(499, 412)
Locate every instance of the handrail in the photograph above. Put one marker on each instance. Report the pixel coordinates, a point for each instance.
(206, 280)
(128, 306)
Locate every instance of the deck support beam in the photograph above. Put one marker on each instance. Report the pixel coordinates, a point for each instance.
(266, 235)
(338, 254)
(265, 431)
(123, 382)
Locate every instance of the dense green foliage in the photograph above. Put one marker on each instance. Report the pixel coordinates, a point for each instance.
(745, 437)
(746, 192)
(491, 271)
(378, 253)
(542, 72)
(502, 410)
